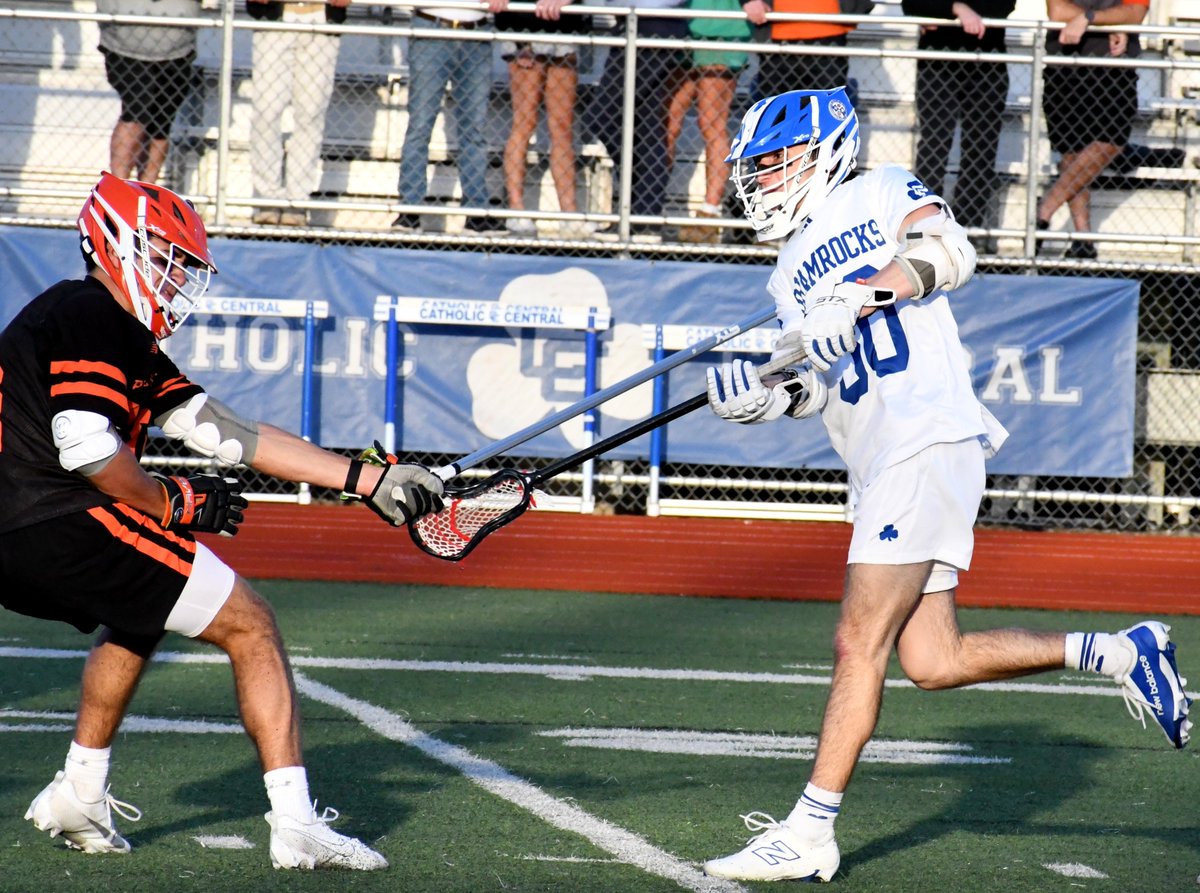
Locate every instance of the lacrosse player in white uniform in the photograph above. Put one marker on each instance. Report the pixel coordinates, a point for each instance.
(862, 285)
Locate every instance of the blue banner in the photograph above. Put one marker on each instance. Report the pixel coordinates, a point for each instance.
(1053, 358)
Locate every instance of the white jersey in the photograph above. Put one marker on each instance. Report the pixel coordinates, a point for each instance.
(906, 385)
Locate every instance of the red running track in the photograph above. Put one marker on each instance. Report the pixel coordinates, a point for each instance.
(686, 556)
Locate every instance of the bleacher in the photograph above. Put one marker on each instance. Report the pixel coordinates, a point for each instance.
(57, 113)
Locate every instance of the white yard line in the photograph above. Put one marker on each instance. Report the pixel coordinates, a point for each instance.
(494, 778)
(1075, 869)
(778, 747)
(223, 842)
(572, 672)
(131, 723)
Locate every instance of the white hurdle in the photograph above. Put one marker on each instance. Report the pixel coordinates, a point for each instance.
(284, 308)
(396, 309)
(664, 338)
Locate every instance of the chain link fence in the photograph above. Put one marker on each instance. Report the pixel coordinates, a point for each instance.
(603, 135)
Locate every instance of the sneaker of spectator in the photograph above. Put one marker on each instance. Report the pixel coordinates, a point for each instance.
(293, 217)
(266, 217)
(407, 223)
(520, 226)
(645, 232)
(483, 226)
(1081, 251)
(703, 235)
(577, 229)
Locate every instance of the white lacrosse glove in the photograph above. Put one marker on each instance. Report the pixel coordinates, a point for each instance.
(787, 345)
(737, 394)
(829, 329)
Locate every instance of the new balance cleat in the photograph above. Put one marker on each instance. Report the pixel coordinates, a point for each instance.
(84, 826)
(776, 853)
(309, 845)
(1154, 684)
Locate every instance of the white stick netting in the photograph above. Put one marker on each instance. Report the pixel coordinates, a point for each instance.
(463, 521)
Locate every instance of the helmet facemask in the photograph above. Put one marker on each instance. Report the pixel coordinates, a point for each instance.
(785, 199)
(173, 282)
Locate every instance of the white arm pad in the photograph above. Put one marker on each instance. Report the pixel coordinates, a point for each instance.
(936, 255)
(86, 440)
(211, 430)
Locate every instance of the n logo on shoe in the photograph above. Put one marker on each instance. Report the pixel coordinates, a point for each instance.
(776, 853)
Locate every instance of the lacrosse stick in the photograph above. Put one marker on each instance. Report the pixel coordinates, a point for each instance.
(473, 512)
(553, 421)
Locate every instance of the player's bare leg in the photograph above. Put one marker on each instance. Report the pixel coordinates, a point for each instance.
(246, 630)
(877, 601)
(110, 677)
(935, 654)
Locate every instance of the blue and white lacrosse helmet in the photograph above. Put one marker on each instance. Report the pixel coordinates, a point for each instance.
(817, 133)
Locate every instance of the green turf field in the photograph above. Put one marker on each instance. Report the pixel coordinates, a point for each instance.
(488, 740)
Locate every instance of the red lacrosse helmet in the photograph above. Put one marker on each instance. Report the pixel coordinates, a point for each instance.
(162, 284)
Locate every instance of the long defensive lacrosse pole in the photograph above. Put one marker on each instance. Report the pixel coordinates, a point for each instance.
(678, 358)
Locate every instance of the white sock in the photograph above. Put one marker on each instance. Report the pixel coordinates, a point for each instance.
(813, 816)
(1104, 653)
(287, 789)
(87, 770)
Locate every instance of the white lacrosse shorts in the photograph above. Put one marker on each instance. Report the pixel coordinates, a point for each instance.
(922, 509)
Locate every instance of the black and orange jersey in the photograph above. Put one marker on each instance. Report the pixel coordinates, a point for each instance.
(74, 347)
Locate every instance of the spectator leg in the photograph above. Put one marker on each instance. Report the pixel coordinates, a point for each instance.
(272, 90)
(937, 115)
(830, 72)
(654, 68)
(984, 91)
(602, 114)
(1076, 172)
(150, 165)
(780, 72)
(527, 78)
(471, 75)
(682, 91)
(313, 60)
(715, 89)
(562, 81)
(127, 148)
(429, 70)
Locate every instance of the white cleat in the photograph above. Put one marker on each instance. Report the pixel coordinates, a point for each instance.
(84, 826)
(776, 853)
(309, 845)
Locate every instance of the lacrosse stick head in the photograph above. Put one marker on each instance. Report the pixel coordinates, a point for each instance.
(471, 514)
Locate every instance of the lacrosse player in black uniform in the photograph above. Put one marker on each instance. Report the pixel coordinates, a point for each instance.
(89, 538)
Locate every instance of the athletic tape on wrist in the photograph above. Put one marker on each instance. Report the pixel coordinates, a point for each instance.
(352, 475)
